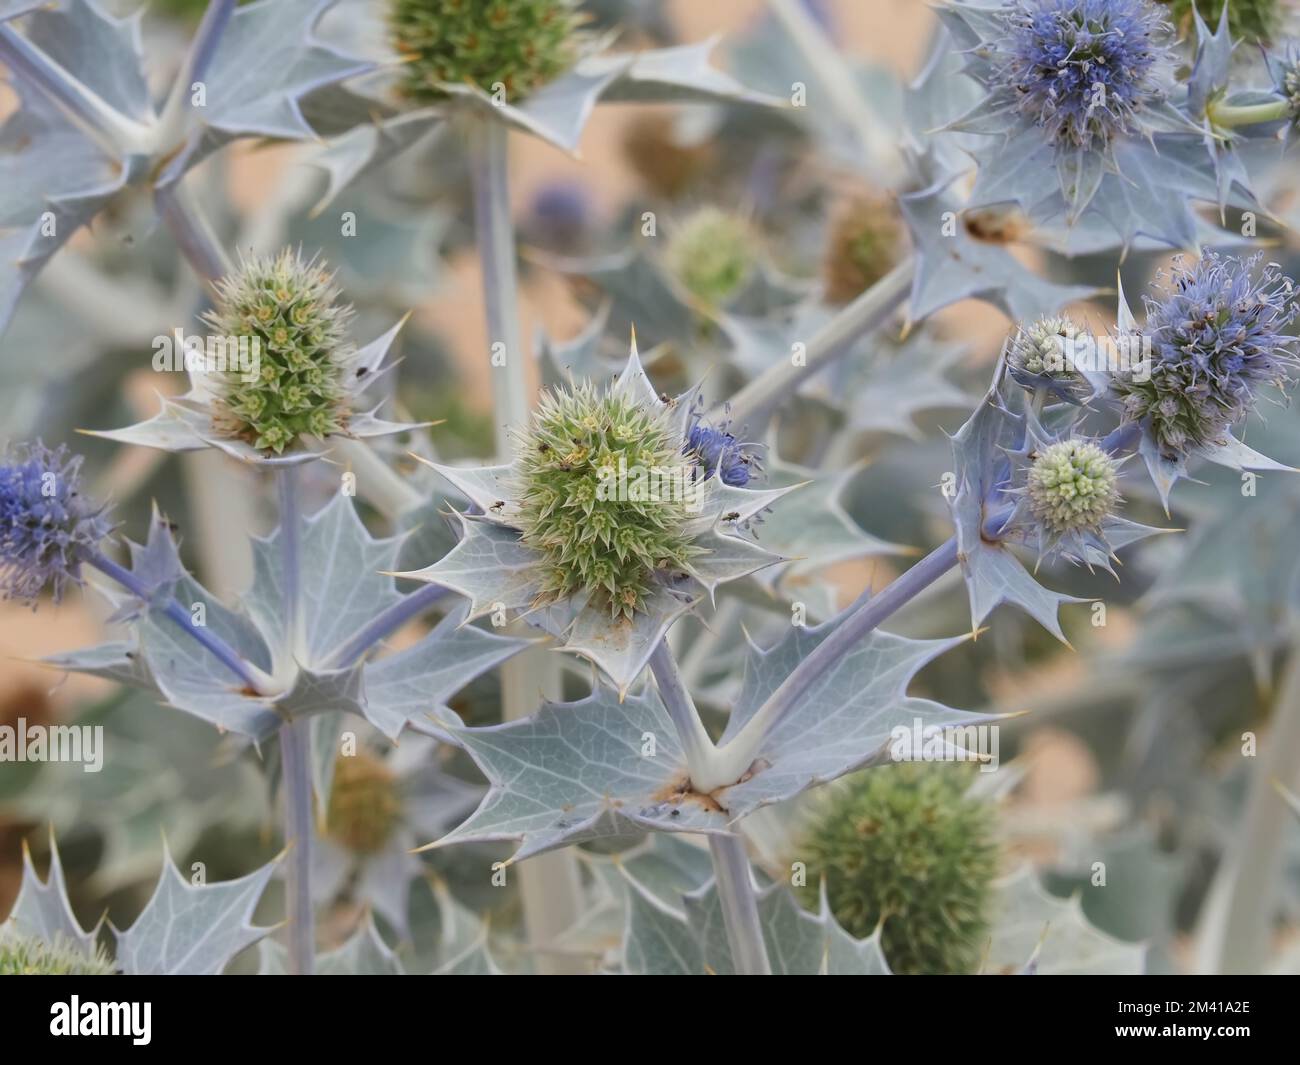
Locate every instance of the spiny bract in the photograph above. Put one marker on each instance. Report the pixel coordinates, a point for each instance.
(25, 956)
(365, 804)
(46, 523)
(904, 845)
(1083, 69)
(1071, 487)
(863, 247)
(603, 495)
(713, 254)
(1217, 336)
(289, 307)
(519, 45)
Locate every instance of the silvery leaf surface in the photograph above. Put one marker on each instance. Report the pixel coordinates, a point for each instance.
(55, 181)
(992, 573)
(410, 683)
(1034, 933)
(690, 939)
(463, 948)
(890, 387)
(490, 566)
(680, 74)
(606, 767)
(103, 52)
(193, 930)
(263, 65)
(620, 647)
(159, 657)
(639, 291)
(364, 953)
(813, 528)
(42, 911)
(367, 147)
(952, 265)
(342, 581)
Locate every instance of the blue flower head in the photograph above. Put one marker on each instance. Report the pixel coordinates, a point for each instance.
(717, 450)
(1217, 334)
(45, 521)
(1083, 69)
(560, 214)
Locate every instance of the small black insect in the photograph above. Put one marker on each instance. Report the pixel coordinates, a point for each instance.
(733, 516)
(543, 447)
(498, 506)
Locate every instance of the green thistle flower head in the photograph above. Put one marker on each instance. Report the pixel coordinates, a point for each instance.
(1040, 349)
(518, 44)
(903, 847)
(22, 955)
(1071, 487)
(290, 309)
(365, 805)
(713, 254)
(1249, 20)
(864, 243)
(603, 495)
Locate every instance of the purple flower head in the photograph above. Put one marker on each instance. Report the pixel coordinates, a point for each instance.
(45, 521)
(560, 214)
(1218, 334)
(1083, 69)
(717, 450)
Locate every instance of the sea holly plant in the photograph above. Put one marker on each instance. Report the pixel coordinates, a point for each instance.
(533, 67)
(565, 656)
(186, 929)
(300, 647)
(1088, 88)
(620, 511)
(88, 129)
(282, 377)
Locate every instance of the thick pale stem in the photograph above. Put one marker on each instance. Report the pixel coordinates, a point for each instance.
(857, 621)
(252, 677)
(549, 883)
(192, 233)
(739, 901)
(696, 743)
(377, 482)
(291, 553)
(494, 228)
(202, 50)
(295, 761)
(295, 738)
(1238, 927)
(384, 625)
(837, 77)
(1226, 116)
(754, 403)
